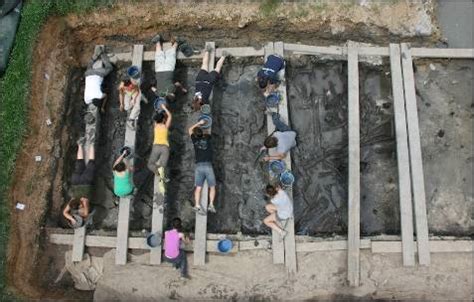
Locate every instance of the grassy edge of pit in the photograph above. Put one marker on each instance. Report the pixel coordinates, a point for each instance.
(15, 87)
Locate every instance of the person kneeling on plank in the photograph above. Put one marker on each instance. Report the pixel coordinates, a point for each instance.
(282, 139)
(130, 98)
(165, 63)
(161, 149)
(78, 210)
(280, 209)
(205, 80)
(97, 69)
(203, 171)
(172, 251)
(123, 178)
(267, 77)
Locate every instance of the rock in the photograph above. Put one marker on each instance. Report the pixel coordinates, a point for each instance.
(454, 82)
(243, 23)
(432, 67)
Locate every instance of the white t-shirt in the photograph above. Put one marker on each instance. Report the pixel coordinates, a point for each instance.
(286, 141)
(93, 88)
(283, 204)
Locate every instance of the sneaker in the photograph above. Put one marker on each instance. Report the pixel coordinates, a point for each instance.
(157, 39)
(97, 52)
(211, 209)
(196, 209)
(161, 173)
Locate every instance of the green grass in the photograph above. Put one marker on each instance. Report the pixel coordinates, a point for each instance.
(268, 7)
(14, 94)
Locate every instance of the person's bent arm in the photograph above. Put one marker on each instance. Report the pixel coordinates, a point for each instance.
(85, 205)
(190, 130)
(170, 117)
(67, 215)
(118, 160)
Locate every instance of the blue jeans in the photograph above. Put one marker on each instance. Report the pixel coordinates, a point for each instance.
(279, 125)
(180, 262)
(204, 171)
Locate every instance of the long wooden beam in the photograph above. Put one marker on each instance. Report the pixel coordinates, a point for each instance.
(416, 160)
(403, 160)
(353, 235)
(289, 241)
(124, 204)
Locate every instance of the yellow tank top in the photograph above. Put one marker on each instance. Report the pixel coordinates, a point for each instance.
(161, 136)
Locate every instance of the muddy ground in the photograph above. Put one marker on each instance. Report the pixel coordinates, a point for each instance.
(66, 44)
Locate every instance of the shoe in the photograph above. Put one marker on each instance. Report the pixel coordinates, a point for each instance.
(162, 174)
(211, 209)
(270, 111)
(97, 52)
(157, 39)
(196, 209)
(202, 212)
(81, 140)
(184, 278)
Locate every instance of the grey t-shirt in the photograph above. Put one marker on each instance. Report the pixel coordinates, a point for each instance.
(283, 204)
(286, 141)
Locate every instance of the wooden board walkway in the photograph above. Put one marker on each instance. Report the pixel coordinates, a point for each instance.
(200, 232)
(353, 235)
(289, 241)
(78, 247)
(416, 160)
(124, 205)
(157, 220)
(404, 184)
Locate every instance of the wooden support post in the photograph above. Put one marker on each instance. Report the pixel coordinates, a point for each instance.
(404, 186)
(416, 160)
(124, 205)
(200, 232)
(289, 242)
(157, 220)
(353, 236)
(278, 247)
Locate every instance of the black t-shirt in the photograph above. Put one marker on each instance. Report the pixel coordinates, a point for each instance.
(202, 148)
(205, 82)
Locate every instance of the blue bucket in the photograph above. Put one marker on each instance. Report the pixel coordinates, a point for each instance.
(207, 119)
(224, 245)
(287, 178)
(158, 102)
(133, 72)
(273, 99)
(277, 166)
(153, 240)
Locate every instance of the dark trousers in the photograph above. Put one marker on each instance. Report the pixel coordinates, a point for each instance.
(279, 125)
(180, 262)
(83, 175)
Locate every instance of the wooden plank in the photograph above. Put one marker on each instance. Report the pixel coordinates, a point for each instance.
(79, 244)
(453, 53)
(416, 160)
(201, 220)
(314, 50)
(278, 248)
(240, 51)
(124, 204)
(404, 185)
(328, 245)
(436, 246)
(157, 220)
(374, 51)
(354, 167)
(289, 241)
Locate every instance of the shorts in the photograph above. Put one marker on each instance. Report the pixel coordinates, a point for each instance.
(83, 175)
(165, 60)
(207, 77)
(204, 171)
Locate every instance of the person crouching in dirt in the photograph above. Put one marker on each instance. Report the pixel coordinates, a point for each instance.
(123, 177)
(165, 63)
(97, 69)
(172, 251)
(160, 151)
(280, 209)
(203, 170)
(130, 98)
(78, 209)
(267, 77)
(205, 80)
(282, 139)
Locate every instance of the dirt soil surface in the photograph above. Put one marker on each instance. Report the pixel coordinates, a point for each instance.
(65, 45)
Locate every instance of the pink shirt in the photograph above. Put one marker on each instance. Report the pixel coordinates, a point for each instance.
(172, 244)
